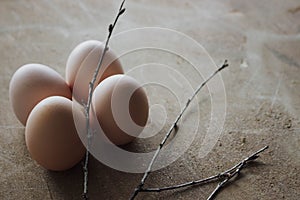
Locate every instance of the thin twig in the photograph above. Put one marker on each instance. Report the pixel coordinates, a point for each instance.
(187, 184)
(88, 105)
(224, 177)
(235, 171)
(139, 188)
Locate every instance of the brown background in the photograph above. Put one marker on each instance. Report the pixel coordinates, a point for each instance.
(261, 40)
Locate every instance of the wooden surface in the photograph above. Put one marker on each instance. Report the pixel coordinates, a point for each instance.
(261, 40)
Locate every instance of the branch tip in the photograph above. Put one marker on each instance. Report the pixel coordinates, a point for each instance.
(122, 4)
(225, 64)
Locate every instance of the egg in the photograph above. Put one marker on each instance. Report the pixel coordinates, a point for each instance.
(81, 66)
(30, 84)
(121, 107)
(51, 136)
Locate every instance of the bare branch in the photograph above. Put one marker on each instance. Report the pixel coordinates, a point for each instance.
(235, 171)
(139, 188)
(88, 105)
(223, 177)
(187, 184)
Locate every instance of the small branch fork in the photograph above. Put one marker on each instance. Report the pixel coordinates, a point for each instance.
(88, 105)
(223, 177)
(139, 188)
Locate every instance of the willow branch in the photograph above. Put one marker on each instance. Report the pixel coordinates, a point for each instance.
(224, 177)
(139, 188)
(88, 105)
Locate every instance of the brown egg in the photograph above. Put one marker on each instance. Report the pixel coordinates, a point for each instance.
(51, 136)
(32, 83)
(81, 66)
(121, 107)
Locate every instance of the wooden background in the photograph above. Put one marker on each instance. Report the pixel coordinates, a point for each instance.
(261, 40)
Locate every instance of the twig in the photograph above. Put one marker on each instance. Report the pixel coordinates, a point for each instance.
(224, 177)
(139, 188)
(88, 105)
(187, 184)
(235, 171)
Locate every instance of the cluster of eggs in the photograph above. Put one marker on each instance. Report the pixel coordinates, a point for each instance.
(43, 102)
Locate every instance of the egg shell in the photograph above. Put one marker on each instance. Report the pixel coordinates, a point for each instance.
(51, 136)
(32, 83)
(82, 64)
(121, 108)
